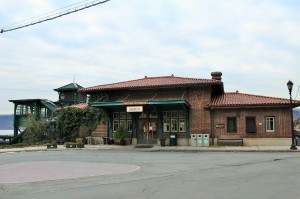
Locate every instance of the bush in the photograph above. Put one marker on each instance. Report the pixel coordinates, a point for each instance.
(37, 131)
(121, 133)
(74, 122)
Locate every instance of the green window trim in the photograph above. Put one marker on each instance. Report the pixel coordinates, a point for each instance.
(270, 124)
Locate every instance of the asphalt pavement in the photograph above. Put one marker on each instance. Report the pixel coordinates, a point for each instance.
(157, 148)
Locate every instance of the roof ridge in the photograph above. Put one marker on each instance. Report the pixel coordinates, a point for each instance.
(255, 95)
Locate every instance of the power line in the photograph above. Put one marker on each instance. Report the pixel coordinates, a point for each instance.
(52, 16)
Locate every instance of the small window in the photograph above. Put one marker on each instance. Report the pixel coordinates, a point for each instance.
(166, 114)
(123, 123)
(174, 114)
(174, 125)
(166, 125)
(270, 124)
(116, 115)
(182, 125)
(181, 114)
(122, 115)
(129, 125)
(115, 125)
(250, 125)
(231, 125)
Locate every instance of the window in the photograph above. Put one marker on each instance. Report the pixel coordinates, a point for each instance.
(115, 125)
(181, 114)
(166, 114)
(270, 124)
(250, 125)
(129, 125)
(123, 123)
(231, 125)
(122, 119)
(174, 114)
(174, 125)
(122, 115)
(166, 125)
(182, 125)
(116, 115)
(174, 121)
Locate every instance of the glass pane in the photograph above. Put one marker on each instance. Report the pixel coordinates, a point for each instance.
(174, 125)
(129, 125)
(166, 125)
(116, 115)
(181, 114)
(115, 125)
(122, 115)
(181, 125)
(123, 123)
(166, 114)
(174, 114)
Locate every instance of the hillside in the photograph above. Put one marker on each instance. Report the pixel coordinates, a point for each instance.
(6, 122)
(296, 112)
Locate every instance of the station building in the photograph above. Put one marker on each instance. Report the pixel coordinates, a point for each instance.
(159, 107)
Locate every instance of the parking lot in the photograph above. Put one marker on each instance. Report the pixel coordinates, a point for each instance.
(135, 174)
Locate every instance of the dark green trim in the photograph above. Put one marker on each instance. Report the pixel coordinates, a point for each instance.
(106, 104)
(169, 102)
(187, 123)
(165, 102)
(134, 124)
(160, 124)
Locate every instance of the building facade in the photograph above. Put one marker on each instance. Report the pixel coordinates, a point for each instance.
(160, 107)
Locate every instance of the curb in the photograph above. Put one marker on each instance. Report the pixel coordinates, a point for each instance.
(188, 149)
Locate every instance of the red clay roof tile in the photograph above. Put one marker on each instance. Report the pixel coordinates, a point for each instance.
(152, 82)
(233, 99)
(81, 106)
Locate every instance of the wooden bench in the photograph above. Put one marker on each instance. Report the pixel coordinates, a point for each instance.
(230, 141)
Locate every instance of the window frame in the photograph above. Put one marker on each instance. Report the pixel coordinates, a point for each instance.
(248, 119)
(268, 122)
(234, 129)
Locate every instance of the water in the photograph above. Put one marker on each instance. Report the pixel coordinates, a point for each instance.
(6, 132)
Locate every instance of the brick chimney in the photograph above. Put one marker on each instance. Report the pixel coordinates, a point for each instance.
(216, 75)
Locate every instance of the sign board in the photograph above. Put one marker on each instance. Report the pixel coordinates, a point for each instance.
(134, 109)
(220, 126)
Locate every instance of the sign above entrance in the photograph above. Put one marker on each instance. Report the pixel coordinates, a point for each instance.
(133, 109)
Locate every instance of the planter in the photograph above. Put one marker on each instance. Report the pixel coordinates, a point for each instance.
(123, 142)
(70, 145)
(51, 146)
(80, 145)
(162, 142)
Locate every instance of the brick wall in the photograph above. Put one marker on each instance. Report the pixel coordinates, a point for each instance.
(101, 130)
(199, 117)
(282, 122)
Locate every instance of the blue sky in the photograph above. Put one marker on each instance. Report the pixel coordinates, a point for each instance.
(254, 43)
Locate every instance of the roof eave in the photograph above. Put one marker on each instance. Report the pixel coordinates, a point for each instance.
(214, 107)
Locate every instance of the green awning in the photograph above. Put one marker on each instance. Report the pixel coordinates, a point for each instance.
(136, 103)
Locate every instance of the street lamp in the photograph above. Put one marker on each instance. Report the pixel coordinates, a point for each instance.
(290, 87)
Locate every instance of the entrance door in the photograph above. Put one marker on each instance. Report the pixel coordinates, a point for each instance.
(147, 131)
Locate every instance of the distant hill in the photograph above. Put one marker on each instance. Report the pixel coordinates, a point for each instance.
(296, 113)
(6, 122)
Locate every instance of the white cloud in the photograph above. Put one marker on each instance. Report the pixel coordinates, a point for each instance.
(254, 43)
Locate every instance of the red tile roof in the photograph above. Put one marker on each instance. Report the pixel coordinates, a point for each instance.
(152, 82)
(234, 99)
(81, 106)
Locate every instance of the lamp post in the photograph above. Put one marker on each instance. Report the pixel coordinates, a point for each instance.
(290, 87)
(61, 102)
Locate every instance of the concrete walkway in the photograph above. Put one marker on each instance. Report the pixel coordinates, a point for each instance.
(160, 149)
